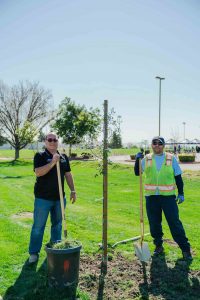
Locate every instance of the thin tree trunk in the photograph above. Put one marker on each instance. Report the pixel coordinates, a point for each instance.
(70, 149)
(105, 189)
(16, 153)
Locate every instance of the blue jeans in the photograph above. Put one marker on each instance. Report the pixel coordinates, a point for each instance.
(155, 205)
(41, 211)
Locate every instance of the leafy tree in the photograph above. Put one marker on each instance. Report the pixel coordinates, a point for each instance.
(24, 111)
(74, 122)
(116, 140)
(115, 137)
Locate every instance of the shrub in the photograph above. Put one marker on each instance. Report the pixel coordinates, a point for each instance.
(86, 155)
(132, 156)
(134, 147)
(186, 158)
(73, 155)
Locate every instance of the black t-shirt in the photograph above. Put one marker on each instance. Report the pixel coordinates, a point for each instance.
(46, 187)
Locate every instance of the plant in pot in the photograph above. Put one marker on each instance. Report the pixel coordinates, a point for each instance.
(63, 257)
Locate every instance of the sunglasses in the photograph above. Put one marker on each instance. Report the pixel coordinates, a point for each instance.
(50, 140)
(157, 143)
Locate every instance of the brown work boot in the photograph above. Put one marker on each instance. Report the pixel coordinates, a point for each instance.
(187, 255)
(158, 250)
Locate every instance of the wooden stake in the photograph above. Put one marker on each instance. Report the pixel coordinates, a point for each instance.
(105, 187)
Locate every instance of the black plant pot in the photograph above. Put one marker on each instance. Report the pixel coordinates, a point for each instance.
(63, 268)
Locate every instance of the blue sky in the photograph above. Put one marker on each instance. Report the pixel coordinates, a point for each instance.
(95, 50)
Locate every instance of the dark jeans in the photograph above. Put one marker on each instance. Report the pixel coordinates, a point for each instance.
(155, 205)
(42, 208)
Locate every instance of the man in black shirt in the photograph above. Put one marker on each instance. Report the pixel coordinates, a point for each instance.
(46, 190)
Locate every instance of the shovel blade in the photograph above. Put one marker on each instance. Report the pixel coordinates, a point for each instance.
(142, 251)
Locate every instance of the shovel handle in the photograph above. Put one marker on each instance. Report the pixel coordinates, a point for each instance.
(141, 203)
(61, 199)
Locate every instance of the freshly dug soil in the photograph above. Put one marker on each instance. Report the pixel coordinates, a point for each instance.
(129, 279)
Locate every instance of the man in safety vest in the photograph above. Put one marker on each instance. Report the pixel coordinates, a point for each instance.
(162, 175)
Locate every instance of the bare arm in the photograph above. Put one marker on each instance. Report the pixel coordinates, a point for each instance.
(70, 183)
(41, 171)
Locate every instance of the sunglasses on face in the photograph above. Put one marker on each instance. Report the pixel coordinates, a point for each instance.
(157, 143)
(50, 140)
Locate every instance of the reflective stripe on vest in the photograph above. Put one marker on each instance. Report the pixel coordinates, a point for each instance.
(149, 160)
(168, 162)
(169, 158)
(162, 188)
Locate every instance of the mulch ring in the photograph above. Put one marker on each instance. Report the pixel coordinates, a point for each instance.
(130, 279)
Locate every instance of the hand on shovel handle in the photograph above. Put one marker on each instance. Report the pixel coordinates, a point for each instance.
(56, 158)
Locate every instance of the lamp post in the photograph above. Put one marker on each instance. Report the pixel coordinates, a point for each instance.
(184, 130)
(160, 78)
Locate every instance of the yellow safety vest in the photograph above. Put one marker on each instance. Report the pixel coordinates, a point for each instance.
(159, 182)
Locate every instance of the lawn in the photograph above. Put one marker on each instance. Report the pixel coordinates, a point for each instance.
(28, 153)
(84, 220)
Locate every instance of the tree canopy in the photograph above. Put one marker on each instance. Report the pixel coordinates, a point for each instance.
(74, 122)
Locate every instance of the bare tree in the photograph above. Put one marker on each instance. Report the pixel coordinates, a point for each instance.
(2, 140)
(24, 110)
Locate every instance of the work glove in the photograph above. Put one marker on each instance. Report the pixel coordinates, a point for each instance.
(180, 199)
(139, 155)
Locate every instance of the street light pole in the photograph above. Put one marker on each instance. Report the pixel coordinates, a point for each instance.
(160, 78)
(184, 130)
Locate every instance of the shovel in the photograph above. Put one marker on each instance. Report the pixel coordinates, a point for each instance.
(61, 200)
(141, 248)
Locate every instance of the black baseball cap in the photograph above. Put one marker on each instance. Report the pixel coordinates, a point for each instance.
(159, 138)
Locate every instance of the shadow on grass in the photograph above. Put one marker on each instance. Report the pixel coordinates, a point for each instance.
(170, 282)
(16, 163)
(102, 281)
(32, 285)
(8, 177)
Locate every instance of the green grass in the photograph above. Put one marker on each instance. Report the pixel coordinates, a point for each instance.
(84, 219)
(24, 153)
(28, 154)
(124, 151)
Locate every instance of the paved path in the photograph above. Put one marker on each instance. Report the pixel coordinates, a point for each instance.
(125, 159)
